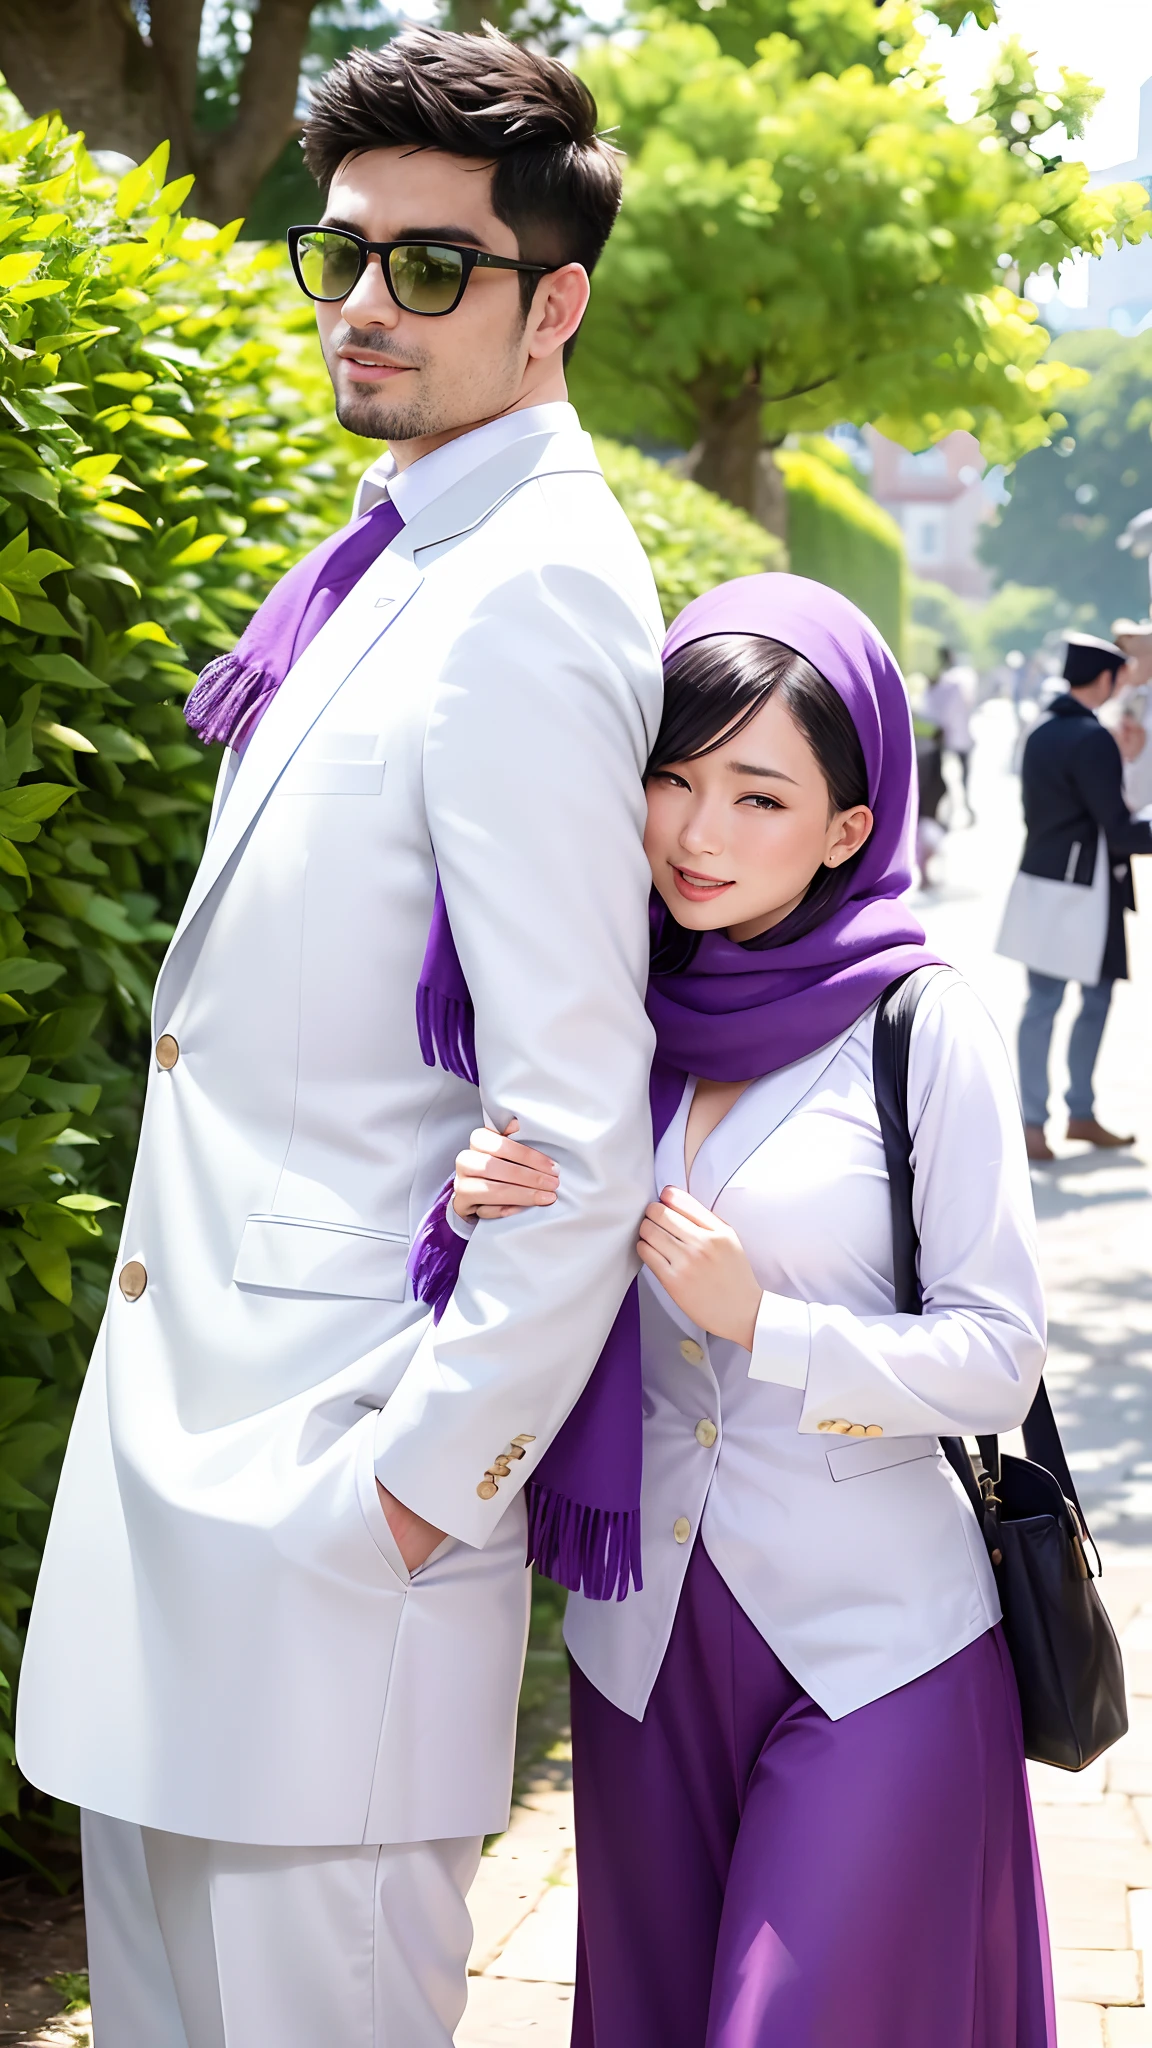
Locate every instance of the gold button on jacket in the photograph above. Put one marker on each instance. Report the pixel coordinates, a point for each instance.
(487, 1489)
(167, 1051)
(706, 1434)
(682, 1529)
(133, 1280)
(692, 1351)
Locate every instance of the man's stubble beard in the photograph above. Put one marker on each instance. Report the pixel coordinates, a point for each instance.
(375, 417)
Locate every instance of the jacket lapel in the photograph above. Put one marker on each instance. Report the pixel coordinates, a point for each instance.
(354, 629)
(755, 1116)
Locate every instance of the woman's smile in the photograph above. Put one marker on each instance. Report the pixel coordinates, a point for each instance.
(697, 888)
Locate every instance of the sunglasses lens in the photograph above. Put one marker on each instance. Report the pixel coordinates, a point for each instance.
(329, 264)
(425, 277)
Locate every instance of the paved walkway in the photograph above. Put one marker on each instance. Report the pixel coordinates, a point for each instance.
(1095, 1830)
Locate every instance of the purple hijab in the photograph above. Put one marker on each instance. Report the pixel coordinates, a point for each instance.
(735, 1013)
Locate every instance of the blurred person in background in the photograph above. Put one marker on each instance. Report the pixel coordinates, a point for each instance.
(950, 701)
(928, 735)
(1134, 708)
(1065, 916)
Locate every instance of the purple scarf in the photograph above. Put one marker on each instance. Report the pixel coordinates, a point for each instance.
(235, 690)
(736, 1013)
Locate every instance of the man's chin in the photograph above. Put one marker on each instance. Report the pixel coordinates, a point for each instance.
(375, 420)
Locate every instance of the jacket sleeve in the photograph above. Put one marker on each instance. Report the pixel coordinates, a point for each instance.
(972, 1361)
(1098, 772)
(533, 759)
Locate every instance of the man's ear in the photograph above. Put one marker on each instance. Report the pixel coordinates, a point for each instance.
(559, 304)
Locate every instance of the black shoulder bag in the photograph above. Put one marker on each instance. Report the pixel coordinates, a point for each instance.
(1062, 1644)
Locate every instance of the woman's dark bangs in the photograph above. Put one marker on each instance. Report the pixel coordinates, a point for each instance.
(713, 688)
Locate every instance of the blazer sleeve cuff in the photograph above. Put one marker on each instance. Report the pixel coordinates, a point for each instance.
(782, 1343)
(463, 1226)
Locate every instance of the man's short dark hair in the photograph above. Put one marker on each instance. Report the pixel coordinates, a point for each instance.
(555, 183)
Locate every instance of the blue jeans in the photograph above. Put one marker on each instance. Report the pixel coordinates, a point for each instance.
(1045, 995)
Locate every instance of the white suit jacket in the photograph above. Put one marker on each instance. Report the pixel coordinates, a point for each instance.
(225, 1641)
(857, 1558)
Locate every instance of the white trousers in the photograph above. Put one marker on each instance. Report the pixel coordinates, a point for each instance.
(199, 1944)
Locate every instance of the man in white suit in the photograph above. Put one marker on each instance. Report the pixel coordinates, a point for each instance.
(278, 1637)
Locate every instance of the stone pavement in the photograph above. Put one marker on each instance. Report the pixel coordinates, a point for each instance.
(1094, 1211)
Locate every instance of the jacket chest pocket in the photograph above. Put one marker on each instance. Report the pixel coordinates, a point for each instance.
(293, 1255)
(336, 764)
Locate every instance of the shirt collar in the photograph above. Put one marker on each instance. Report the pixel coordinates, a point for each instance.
(413, 488)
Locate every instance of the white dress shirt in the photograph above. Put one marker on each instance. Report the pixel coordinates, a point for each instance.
(443, 468)
(857, 1558)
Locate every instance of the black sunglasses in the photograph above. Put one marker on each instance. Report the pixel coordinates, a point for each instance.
(423, 277)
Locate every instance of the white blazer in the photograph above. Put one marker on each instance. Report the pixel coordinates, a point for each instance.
(858, 1559)
(225, 1641)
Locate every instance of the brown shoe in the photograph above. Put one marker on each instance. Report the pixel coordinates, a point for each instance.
(1036, 1144)
(1090, 1132)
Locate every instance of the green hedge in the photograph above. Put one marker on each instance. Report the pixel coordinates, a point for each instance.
(152, 481)
(839, 535)
(693, 539)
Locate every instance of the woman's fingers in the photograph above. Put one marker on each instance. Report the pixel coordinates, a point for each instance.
(498, 1168)
(480, 1191)
(685, 1229)
(494, 1145)
(686, 1205)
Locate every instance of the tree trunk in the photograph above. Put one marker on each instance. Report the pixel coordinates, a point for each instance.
(730, 457)
(770, 506)
(90, 61)
(724, 459)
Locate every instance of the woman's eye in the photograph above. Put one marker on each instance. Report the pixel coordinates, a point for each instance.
(665, 775)
(761, 803)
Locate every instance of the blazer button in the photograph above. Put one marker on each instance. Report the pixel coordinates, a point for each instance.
(692, 1351)
(167, 1051)
(856, 1429)
(487, 1489)
(874, 1429)
(682, 1529)
(706, 1434)
(133, 1280)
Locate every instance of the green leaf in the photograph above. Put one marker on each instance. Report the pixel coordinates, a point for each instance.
(64, 736)
(29, 975)
(53, 1269)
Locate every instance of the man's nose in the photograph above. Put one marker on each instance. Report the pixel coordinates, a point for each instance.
(370, 303)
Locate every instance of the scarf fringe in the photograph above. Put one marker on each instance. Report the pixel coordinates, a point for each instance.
(446, 1029)
(594, 1551)
(225, 697)
(434, 1260)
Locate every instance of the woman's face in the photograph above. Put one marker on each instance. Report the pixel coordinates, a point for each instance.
(735, 837)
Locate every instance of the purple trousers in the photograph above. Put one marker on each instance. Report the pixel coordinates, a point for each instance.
(754, 1875)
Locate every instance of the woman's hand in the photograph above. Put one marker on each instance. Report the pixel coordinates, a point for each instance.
(497, 1177)
(702, 1264)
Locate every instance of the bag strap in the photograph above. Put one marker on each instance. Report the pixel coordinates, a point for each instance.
(891, 1044)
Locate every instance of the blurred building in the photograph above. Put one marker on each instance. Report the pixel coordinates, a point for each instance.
(939, 499)
(1115, 289)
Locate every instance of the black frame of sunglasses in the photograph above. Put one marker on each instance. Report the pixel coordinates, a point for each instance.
(471, 259)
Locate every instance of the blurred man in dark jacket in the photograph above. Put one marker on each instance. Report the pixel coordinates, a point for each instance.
(1073, 794)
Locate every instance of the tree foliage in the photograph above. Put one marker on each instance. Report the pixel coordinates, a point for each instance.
(799, 246)
(1069, 502)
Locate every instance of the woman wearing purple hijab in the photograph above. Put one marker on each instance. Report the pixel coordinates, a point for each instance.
(802, 1813)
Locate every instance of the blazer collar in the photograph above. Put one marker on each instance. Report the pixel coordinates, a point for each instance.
(756, 1114)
